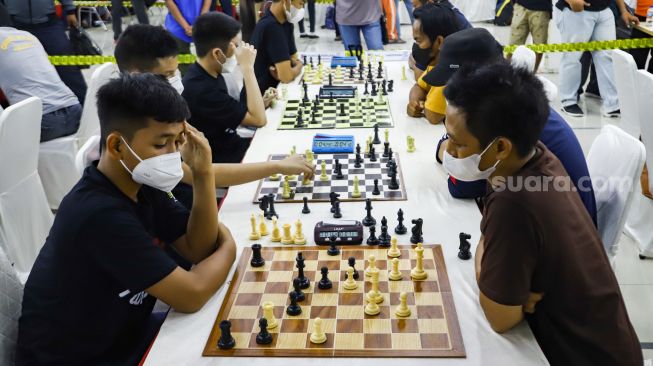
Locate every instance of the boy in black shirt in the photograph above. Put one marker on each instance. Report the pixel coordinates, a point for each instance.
(273, 37)
(109, 254)
(213, 110)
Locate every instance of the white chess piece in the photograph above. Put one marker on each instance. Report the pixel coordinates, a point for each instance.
(395, 275)
(372, 266)
(254, 235)
(318, 335)
(393, 252)
(350, 283)
(374, 295)
(268, 314)
(403, 310)
(418, 272)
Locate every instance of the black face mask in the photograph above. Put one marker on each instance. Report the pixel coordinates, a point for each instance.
(422, 56)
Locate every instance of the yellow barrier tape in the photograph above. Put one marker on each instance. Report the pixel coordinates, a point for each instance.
(540, 48)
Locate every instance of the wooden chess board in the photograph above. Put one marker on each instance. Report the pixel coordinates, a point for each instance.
(432, 329)
(366, 114)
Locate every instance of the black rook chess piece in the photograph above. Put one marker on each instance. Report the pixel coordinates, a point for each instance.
(463, 249)
(305, 209)
(372, 240)
(325, 283)
(226, 341)
(293, 309)
(263, 337)
(333, 249)
(401, 228)
(257, 258)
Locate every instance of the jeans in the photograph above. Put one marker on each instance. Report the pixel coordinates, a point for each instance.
(371, 32)
(588, 71)
(62, 122)
(117, 13)
(409, 7)
(311, 18)
(52, 36)
(583, 27)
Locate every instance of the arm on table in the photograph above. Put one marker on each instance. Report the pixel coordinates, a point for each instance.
(287, 71)
(433, 117)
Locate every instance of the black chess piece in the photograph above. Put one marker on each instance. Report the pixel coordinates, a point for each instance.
(305, 209)
(304, 282)
(391, 84)
(401, 228)
(333, 249)
(263, 337)
(352, 263)
(372, 154)
(358, 160)
(336, 207)
(394, 183)
(293, 309)
(271, 210)
(325, 283)
(376, 190)
(226, 341)
(372, 240)
(463, 248)
(299, 294)
(384, 237)
(374, 91)
(379, 72)
(366, 92)
(319, 59)
(304, 59)
(360, 74)
(305, 99)
(342, 109)
(386, 148)
(390, 158)
(338, 170)
(300, 119)
(368, 220)
(351, 73)
(417, 231)
(331, 97)
(313, 120)
(311, 61)
(376, 140)
(333, 196)
(257, 259)
(383, 86)
(263, 204)
(358, 149)
(330, 79)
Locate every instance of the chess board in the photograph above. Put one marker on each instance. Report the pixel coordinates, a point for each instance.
(341, 76)
(432, 329)
(328, 114)
(318, 190)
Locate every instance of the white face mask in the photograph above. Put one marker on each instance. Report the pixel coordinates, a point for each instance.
(175, 81)
(295, 14)
(162, 172)
(466, 169)
(230, 65)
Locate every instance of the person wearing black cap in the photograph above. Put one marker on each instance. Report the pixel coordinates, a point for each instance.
(539, 257)
(557, 135)
(433, 22)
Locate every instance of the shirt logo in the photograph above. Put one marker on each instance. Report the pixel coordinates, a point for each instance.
(135, 300)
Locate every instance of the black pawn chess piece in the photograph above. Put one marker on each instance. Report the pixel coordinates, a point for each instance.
(263, 204)
(391, 84)
(360, 74)
(390, 157)
(352, 263)
(386, 148)
(368, 220)
(304, 282)
(374, 91)
(311, 61)
(342, 109)
(366, 92)
(336, 207)
(263, 337)
(271, 210)
(299, 294)
(226, 341)
(401, 228)
(330, 79)
(333, 196)
(293, 309)
(325, 283)
(351, 73)
(463, 249)
(384, 88)
(358, 160)
(257, 258)
(372, 154)
(305, 209)
(333, 249)
(376, 140)
(384, 238)
(376, 190)
(300, 119)
(372, 240)
(417, 231)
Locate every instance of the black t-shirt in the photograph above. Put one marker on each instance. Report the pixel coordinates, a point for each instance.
(85, 301)
(274, 42)
(214, 112)
(595, 5)
(538, 5)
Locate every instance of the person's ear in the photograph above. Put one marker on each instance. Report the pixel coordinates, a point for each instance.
(114, 146)
(219, 56)
(438, 42)
(504, 148)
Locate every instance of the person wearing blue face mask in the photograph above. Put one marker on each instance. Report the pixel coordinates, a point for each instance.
(120, 240)
(213, 110)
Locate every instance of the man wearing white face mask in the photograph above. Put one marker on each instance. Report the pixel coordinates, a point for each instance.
(213, 110)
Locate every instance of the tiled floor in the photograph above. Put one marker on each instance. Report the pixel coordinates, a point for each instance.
(635, 276)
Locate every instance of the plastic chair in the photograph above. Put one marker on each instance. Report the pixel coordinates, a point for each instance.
(12, 297)
(625, 71)
(25, 217)
(89, 152)
(57, 157)
(90, 12)
(638, 226)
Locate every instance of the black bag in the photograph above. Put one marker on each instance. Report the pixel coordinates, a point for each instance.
(82, 44)
(384, 30)
(504, 13)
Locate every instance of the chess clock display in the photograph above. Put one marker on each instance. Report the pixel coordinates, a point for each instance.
(345, 231)
(332, 144)
(327, 92)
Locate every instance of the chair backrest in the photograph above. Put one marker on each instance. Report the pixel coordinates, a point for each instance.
(625, 71)
(615, 162)
(89, 152)
(20, 132)
(89, 124)
(645, 95)
(11, 292)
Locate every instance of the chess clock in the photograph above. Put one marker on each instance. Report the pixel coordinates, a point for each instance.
(337, 92)
(344, 61)
(346, 232)
(333, 144)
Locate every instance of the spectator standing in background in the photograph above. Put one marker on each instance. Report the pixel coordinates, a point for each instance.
(117, 11)
(311, 22)
(179, 22)
(360, 16)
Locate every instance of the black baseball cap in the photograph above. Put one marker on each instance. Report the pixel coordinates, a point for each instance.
(465, 47)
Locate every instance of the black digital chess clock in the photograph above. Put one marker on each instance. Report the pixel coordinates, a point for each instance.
(345, 231)
(327, 92)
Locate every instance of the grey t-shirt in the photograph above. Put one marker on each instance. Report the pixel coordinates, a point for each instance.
(358, 12)
(25, 71)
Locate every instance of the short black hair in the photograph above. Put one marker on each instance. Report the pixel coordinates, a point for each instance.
(214, 30)
(125, 103)
(499, 100)
(437, 20)
(141, 45)
(5, 19)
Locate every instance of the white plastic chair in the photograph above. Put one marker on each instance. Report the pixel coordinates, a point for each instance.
(625, 71)
(615, 162)
(639, 223)
(57, 157)
(25, 217)
(89, 152)
(12, 297)
(524, 58)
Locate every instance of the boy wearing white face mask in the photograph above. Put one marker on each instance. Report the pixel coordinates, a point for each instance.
(213, 110)
(120, 240)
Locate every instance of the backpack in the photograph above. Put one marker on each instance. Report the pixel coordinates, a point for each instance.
(330, 19)
(504, 13)
(82, 44)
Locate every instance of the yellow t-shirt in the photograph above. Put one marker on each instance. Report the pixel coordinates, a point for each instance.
(435, 101)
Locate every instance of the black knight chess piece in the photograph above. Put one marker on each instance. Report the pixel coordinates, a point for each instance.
(463, 248)
(417, 231)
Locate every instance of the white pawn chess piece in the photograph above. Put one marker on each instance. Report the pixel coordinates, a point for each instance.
(323, 174)
(374, 295)
(318, 336)
(299, 238)
(418, 272)
(287, 236)
(395, 275)
(350, 283)
(356, 193)
(372, 308)
(371, 267)
(268, 314)
(403, 310)
(393, 252)
(254, 235)
(262, 227)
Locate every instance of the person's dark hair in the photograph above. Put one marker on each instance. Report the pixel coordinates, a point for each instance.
(499, 100)
(437, 20)
(124, 104)
(5, 19)
(141, 45)
(214, 30)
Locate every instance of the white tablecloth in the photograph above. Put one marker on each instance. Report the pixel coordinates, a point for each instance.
(183, 336)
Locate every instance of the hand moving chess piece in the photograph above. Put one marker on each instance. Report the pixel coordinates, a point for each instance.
(257, 258)
(226, 341)
(463, 248)
(403, 310)
(263, 337)
(268, 314)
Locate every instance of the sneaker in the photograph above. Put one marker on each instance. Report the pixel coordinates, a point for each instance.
(303, 35)
(400, 41)
(573, 110)
(313, 36)
(614, 114)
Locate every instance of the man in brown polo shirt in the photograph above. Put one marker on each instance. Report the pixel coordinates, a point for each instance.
(540, 257)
